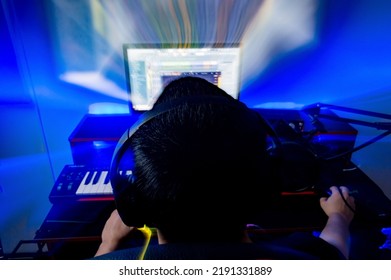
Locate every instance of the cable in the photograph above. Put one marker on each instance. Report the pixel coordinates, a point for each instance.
(347, 204)
(147, 232)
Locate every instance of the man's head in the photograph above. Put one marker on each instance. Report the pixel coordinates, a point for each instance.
(201, 165)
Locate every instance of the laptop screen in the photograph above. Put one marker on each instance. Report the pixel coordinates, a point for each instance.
(151, 67)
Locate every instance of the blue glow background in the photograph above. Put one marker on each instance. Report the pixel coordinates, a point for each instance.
(60, 60)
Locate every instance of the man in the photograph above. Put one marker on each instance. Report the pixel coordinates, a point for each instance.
(203, 171)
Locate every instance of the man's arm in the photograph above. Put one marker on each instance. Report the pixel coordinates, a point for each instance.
(339, 208)
(113, 232)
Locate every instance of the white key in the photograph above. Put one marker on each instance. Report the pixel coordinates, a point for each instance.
(82, 186)
(101, 183)
(107, 189)
(91, 187)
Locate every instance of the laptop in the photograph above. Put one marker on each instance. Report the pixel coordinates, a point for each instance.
(150, 67)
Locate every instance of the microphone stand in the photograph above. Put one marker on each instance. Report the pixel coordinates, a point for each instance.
(315, 109)
(315, 112)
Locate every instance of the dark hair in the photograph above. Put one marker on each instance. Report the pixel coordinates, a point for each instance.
(201, 165)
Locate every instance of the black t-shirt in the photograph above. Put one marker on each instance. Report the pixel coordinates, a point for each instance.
(300, 246)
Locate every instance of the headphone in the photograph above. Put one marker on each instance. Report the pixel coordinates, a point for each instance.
(283, 158)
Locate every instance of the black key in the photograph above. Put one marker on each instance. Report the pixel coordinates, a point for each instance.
(89, 178)
(96, 178)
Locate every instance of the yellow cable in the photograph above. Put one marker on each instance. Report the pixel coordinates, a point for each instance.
(147, 232)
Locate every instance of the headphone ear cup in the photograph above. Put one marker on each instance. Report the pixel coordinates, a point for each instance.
(128, 203)
(274, 167)
(299, 167)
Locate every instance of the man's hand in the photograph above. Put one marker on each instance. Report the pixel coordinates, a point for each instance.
(113, 232)
(339, 207)
(339, 202)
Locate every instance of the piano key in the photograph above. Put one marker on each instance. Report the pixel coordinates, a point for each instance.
(100, 183)
(89, 177)
(86, 183)
(107, 179)
(107, 188)
(97, 186)
(90, 187)
(81, 183)
(96, 177)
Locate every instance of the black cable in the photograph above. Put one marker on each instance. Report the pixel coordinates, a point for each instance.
(344, 199)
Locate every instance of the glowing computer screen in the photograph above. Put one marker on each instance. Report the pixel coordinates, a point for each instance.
(150, 67)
